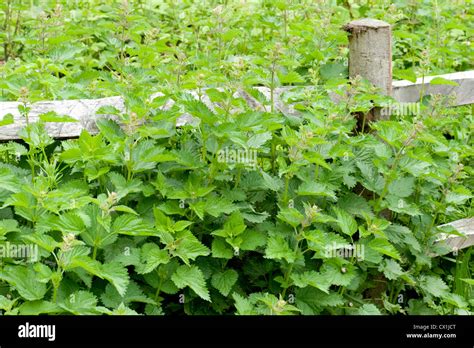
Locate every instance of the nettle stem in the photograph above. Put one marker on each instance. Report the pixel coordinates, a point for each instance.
(290, 268)
(389, 178)
(285, 194)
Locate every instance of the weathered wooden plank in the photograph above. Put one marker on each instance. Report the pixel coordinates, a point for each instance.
(83, 110)
(409, 92)
(454, 242)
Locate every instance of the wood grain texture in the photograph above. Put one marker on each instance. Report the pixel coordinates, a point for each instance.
(453, 242)
(409, 92)
(370, 47)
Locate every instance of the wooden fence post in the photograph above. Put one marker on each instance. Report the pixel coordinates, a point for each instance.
(370, 54)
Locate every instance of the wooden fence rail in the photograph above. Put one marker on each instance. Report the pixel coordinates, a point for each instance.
(370, 57)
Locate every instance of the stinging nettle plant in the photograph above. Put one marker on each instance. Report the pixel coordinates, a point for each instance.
(148, 218)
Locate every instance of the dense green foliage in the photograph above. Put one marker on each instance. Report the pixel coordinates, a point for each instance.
(151, 218)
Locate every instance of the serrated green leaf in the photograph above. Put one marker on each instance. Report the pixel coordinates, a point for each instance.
(270, 182)
(191, 276)
(315, 189)
(80, 303)
(383, 246)
(278, 248)
(39, 307)
(224, 281)
(346, 222)
(433, 285)
(220, 249)
(188, 247)
(23, 279)
(132, 225)
(151, 257)
(391, 269)
(291, 216)
(368, 309)
(117, 275)
(402, 187)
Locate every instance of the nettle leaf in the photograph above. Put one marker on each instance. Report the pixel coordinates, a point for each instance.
(336, 274)
(257, 140)
(44, 241)
(220, 249)
(346, 222)
(256, 218)
(291, 216)
(312, 278)
(325, 244)
(39, 307)
(234, 226)
(132, 225)
(468, 281)
(244, 306)
(278, 248)
(383, 246)
(400, 205)
(43, 272)
(147, 154)
(198, 109)
(187, 247)
(72, 222)
(110, 129)
(317, 158)
(24, 280)
(108, 110)
(456, 300)
(112, 299)
(312, 301)
(9, 180)
(413, 166)
(391, 269)
(124, 187)
(7, 226)
(458, 195)
(80, 303)
(368, 309)
(252, 239)
(402, 187)
(117, 275)
(191, 276)
(224, 281)
(316, 189)
(94, 229)
(114, 272)
(270, 182)
(433, 285)
(371, 179)
(216, 206)
(151, 256)
(7, 304)
(355, 205)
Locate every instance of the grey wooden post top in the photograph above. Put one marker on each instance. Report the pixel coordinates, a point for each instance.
(360, 24)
